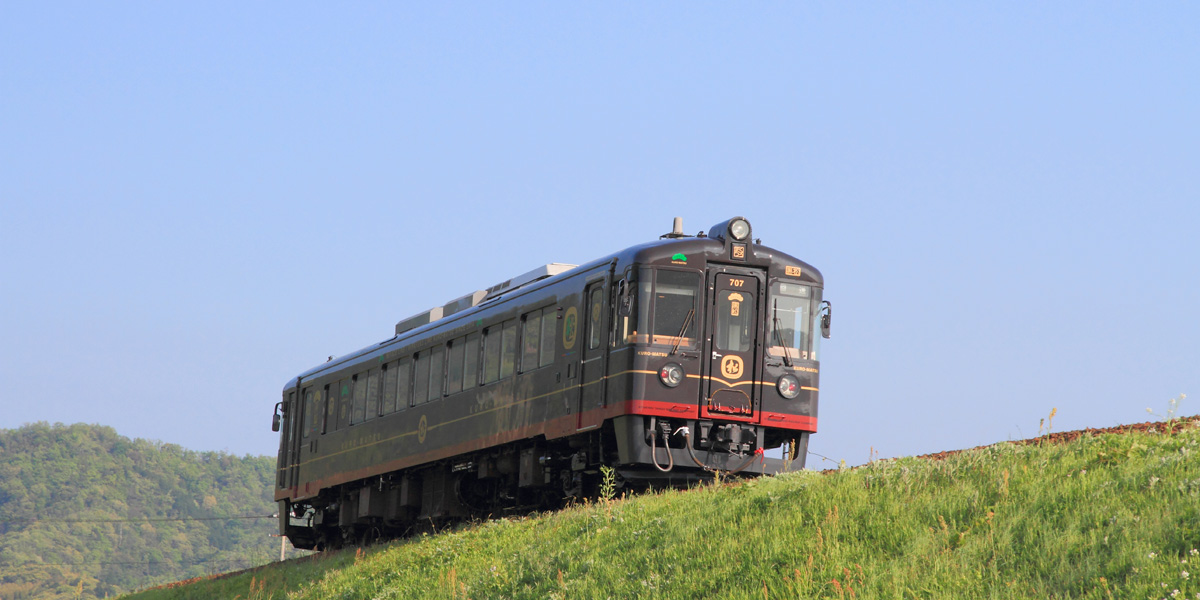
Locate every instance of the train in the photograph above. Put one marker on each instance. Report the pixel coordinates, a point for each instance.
(663, 364)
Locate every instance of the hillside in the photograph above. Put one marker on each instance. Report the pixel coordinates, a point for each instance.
(1091, 515)
(87, 513)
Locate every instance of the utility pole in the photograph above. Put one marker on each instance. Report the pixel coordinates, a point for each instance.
(282, 545)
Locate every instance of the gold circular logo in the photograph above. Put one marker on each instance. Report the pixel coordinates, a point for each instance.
(570, 328)
(731, 367)
(422, 429)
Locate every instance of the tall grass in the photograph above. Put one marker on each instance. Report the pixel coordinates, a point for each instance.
(1113, 516)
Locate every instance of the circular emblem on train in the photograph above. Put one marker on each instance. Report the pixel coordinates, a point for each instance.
(422, 429)
(731, 367)
(570, 328)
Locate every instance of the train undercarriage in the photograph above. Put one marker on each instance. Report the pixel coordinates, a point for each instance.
(535, 475)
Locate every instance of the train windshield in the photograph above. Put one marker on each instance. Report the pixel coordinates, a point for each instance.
(669, 298)
(675, 308)
(791, 318)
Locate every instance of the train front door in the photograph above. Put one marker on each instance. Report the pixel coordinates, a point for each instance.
(734, 305)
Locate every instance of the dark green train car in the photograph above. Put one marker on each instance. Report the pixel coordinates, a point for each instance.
(665, 362)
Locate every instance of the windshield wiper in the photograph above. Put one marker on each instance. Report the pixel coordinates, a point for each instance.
(686, 321)
(778, 336)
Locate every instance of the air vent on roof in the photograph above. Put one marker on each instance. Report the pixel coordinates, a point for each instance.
(478, 297)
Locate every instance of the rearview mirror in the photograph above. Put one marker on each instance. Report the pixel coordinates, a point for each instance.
(625, 301)
(826, 317)
(276, 420)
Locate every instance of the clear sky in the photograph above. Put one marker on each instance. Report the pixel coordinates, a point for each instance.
(199, 201)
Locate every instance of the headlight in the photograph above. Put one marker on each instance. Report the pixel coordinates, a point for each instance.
(671, 374)
(789, 386)
(739, 229)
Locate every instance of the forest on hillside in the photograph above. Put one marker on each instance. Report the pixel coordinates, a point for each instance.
(88, 513)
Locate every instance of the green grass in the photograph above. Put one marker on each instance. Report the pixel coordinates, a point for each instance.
(1112, 516)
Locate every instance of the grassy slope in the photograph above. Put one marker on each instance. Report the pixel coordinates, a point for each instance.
(1107, 516)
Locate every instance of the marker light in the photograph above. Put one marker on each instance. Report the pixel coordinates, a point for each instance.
(671, 374)
(739, 229)
(789, 386)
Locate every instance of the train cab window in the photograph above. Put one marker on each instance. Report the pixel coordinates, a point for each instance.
(360, 399)
(403, 384)
(675, 308)
(454, 366)
(437, 373)
(530, 338)
(471, 361)
(645, 292)
(373, 393)
(789, 320)
(508, 350)
(627, 305)
(421, 379)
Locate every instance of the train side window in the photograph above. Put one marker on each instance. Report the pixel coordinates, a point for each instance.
(530, 339)
(360, 399)
(318, 414)
(546, 350)
(343, 399)
(373, 393)
(421, 379)
(387, 403)
(437, 372)
(403, 384)
(454, 367)
(471, 361)
(491, 354)
(308, 412)
(330, 421)
(508, 350)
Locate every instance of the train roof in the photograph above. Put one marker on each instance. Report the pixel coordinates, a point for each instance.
(665, 250)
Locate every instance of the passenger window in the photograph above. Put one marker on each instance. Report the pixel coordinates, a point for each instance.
(421, 379)
(454, 367)
(508, 351)
(546, 351)
(491, 355)
(437, 374)
(531, 337)
(360, 399)
(471, 362)
(388, 402)
(403, 384)
(330, 413)
(308, 412)
(343, 395)
(373, 394)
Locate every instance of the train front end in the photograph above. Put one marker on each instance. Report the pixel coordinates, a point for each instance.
(716, 356)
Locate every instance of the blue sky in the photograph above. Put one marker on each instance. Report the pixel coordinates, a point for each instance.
(200, 201)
